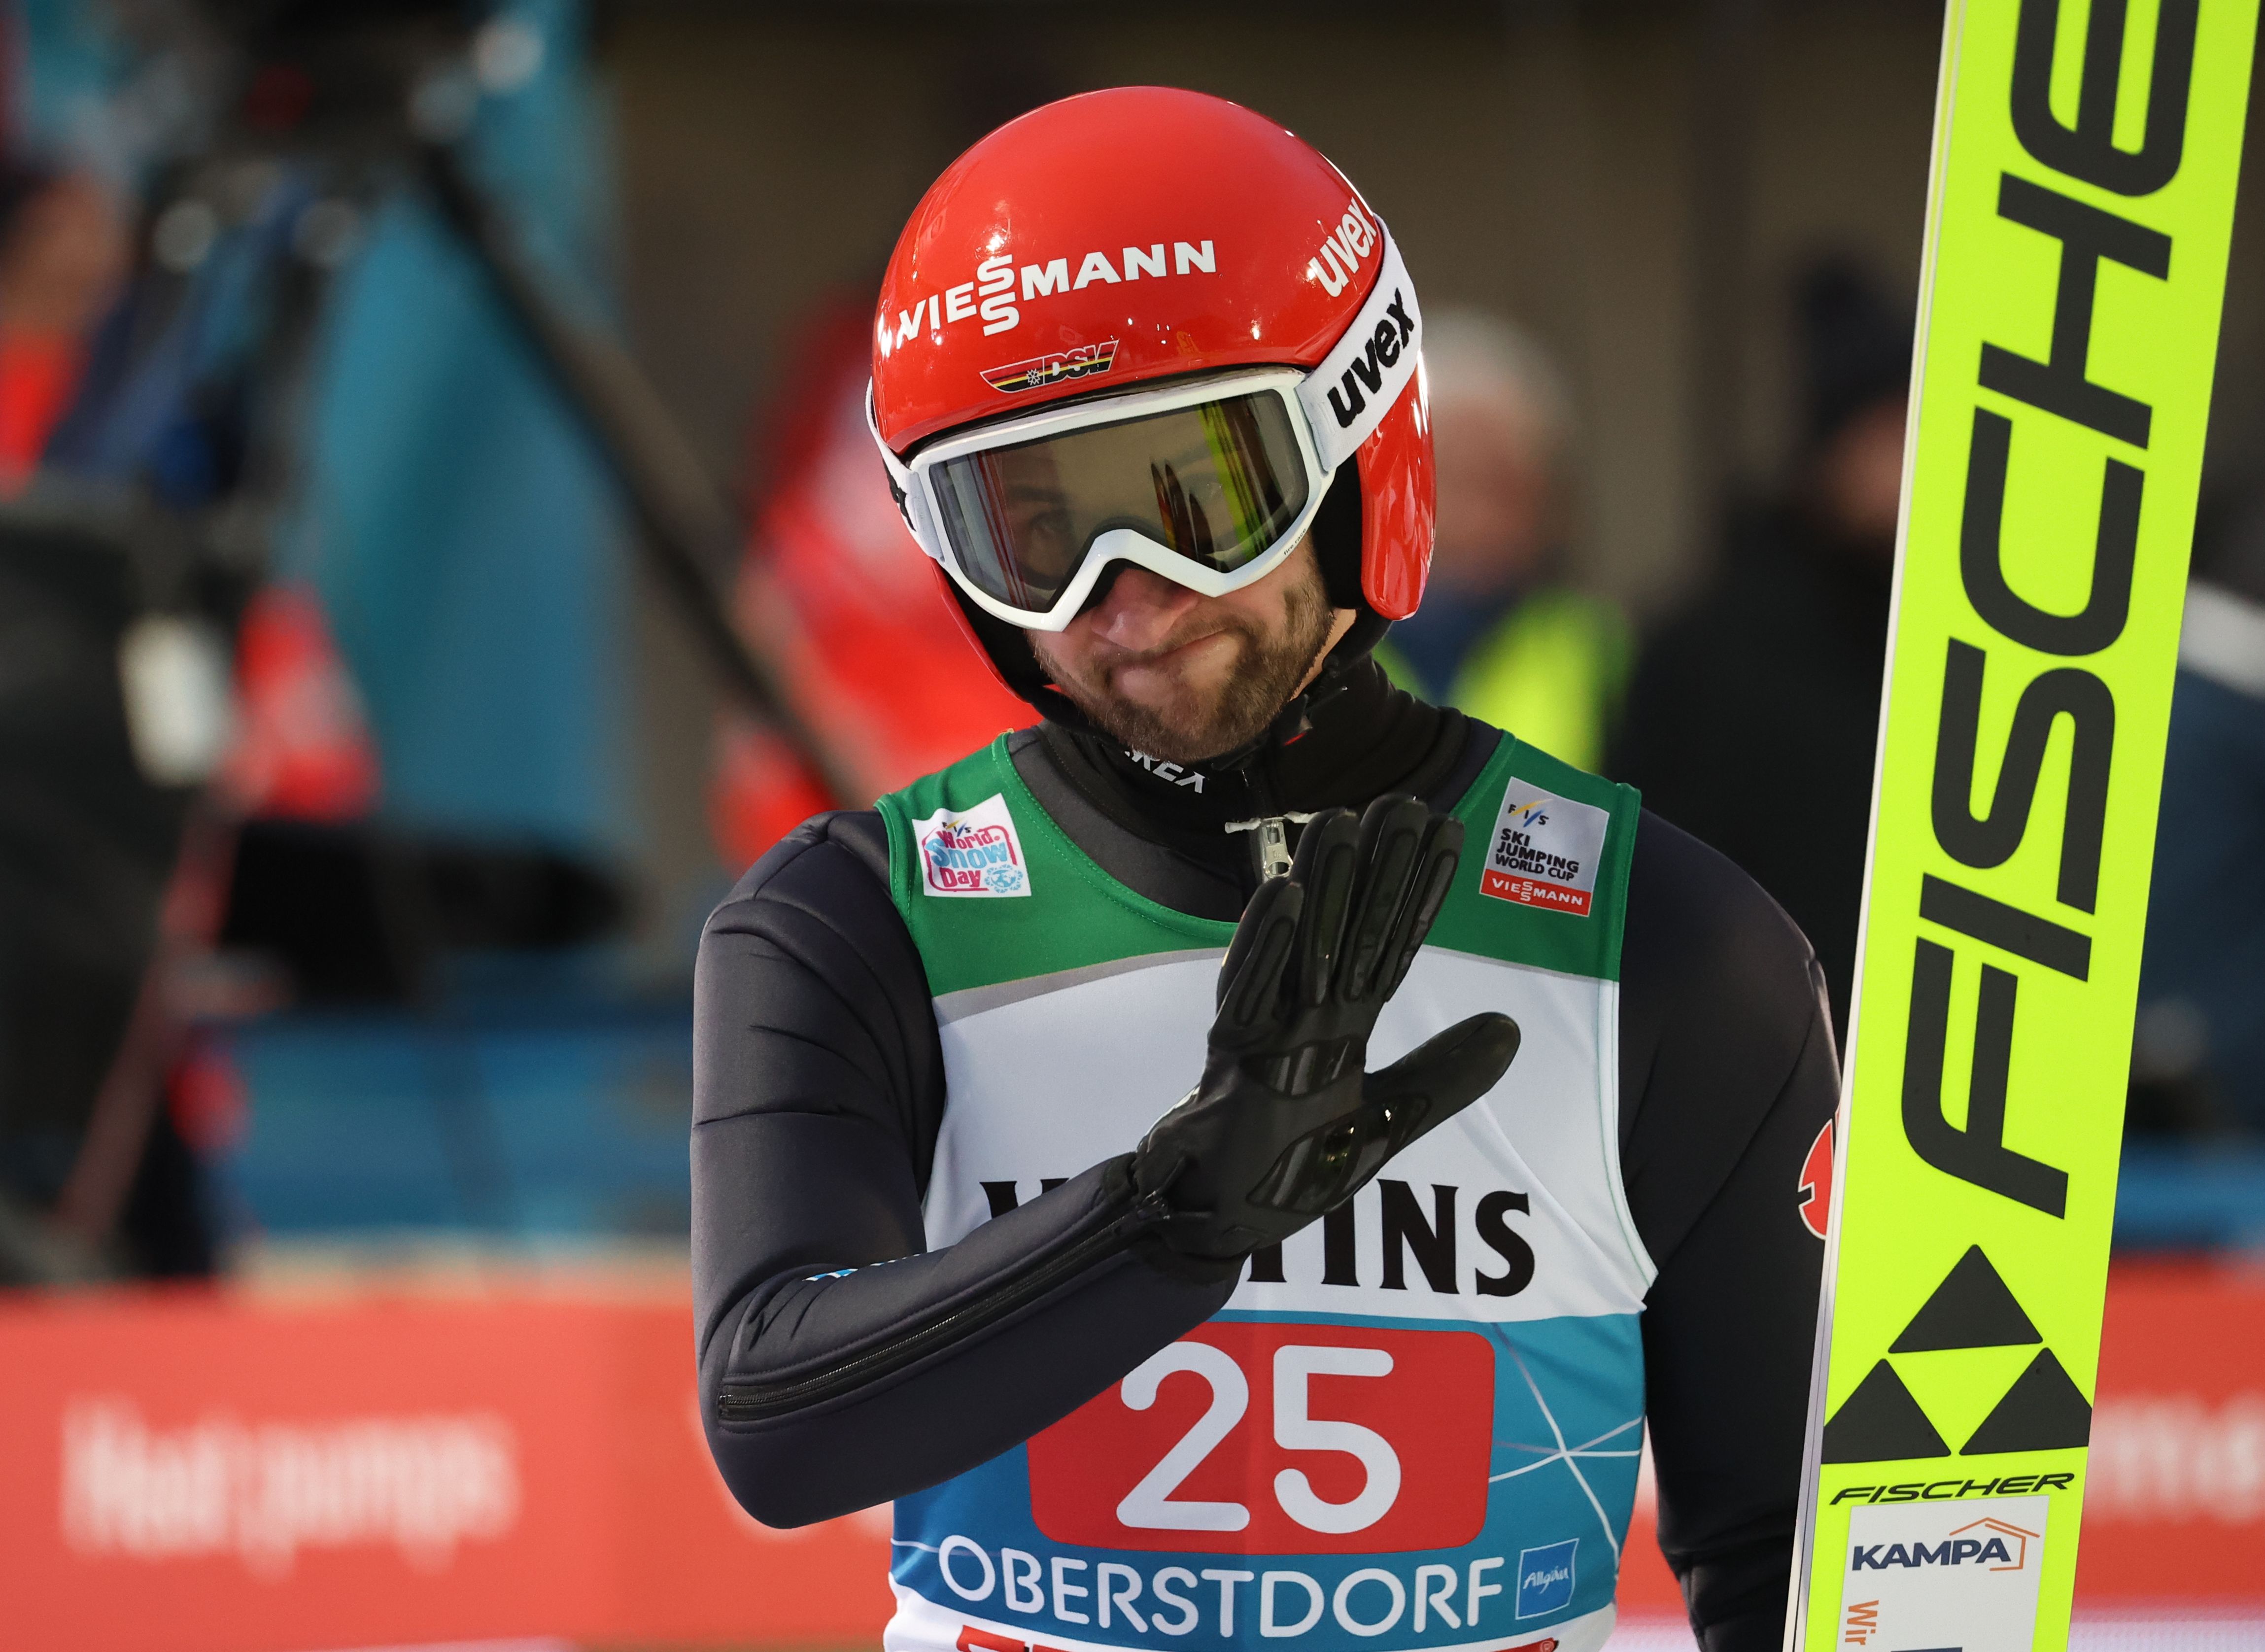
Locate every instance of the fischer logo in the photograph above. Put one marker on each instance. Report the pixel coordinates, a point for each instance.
(1040, 371)
(1993, 1544)
(991, 297)
(1544, 850)
(971, 851)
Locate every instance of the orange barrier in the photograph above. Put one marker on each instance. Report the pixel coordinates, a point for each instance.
(183, 1472)
(227, 1472)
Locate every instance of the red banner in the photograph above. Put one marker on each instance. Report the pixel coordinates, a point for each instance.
(186, 1472)
(180, 1473)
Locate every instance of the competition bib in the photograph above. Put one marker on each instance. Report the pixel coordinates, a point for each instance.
(1416, 1423)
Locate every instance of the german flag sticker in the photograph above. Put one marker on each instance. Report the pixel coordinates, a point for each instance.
(1040, 371)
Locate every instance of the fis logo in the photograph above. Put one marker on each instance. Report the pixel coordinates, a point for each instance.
(1995, 1545)
(1040, 371)
(1544, 850)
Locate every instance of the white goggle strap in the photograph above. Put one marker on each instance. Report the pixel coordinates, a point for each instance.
(1344, 398)
(1347, 395)
(912, 502)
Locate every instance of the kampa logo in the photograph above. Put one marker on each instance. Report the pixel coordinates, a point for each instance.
(1363, 374)
(972, 852)
(1993, 1545)
(1040, 371)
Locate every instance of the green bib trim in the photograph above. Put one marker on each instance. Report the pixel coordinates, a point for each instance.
(1059, 911)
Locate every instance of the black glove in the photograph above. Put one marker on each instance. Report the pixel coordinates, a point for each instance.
(1285, 1124)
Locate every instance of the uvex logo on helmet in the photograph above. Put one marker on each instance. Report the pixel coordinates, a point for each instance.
(1363, 374)
(1343, 249)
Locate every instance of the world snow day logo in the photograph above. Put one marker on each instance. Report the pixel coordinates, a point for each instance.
(972, 852)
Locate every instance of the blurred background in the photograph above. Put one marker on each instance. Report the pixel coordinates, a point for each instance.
(440, 548)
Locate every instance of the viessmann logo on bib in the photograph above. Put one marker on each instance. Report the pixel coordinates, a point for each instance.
(1544, 849)
(971, 851)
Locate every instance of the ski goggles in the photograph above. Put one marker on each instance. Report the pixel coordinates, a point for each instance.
(1211, 483)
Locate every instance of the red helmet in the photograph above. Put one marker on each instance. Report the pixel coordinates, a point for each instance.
(1123, 237)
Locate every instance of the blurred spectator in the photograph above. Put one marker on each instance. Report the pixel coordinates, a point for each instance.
(1753, 715)
(2198, 1056)
(62, 252)
(1501, 634)
(87, 840)
(844, 601)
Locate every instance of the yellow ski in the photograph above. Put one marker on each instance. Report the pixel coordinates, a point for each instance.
(2080, 206)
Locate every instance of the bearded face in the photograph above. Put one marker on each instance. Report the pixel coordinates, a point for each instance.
(1186, 678)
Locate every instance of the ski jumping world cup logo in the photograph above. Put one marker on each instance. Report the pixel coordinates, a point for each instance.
(971, 851)
(1544, 850)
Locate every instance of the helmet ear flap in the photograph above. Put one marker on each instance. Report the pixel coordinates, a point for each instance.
(1399, 505)
(1336, 535)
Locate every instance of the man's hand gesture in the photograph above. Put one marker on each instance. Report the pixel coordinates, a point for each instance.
(1286, 1123)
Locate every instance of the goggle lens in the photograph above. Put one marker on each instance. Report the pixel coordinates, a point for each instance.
(1219, 483)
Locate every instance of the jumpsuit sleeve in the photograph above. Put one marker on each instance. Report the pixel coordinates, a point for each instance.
(1730, 1075)
(841, 1362)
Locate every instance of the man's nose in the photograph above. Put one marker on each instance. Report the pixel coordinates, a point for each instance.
(1141, 608)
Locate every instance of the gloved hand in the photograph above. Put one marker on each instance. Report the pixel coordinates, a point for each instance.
(1286, 1125)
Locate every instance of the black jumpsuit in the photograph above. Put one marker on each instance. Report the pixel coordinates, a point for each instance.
(819, 1091)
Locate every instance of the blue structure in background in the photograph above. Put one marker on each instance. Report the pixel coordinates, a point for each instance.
(2202, 983)
(463, 535)
(557, 1119)
(467, 545)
